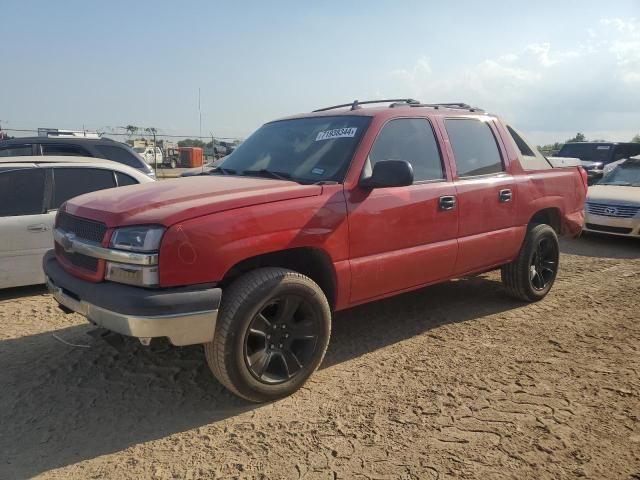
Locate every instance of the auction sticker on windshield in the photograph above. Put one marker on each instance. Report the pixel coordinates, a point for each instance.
(336, 133)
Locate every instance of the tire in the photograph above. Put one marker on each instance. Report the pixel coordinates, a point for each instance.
(532, 274)
(253, 309)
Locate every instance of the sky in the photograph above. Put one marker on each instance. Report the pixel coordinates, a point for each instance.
(552, 68)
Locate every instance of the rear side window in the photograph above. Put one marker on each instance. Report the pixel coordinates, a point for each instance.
(412, 140)
(16, 151)
(64, 149)
(120, 155)
(70, 182)
(474, 147)
(124, 179)
(22, 192)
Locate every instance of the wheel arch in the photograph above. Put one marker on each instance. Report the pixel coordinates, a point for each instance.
(550, 216)
(315, 263)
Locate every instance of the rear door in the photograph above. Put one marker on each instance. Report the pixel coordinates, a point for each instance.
(25, 227)
(402, 237)
(485, 192)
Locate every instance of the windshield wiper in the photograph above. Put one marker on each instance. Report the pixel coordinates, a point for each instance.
(619, 184)
(268, 173)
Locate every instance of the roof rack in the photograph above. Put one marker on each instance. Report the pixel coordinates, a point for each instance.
(355, 105)
(455, 106)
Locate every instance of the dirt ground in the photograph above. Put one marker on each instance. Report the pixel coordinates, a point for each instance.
(453, 381)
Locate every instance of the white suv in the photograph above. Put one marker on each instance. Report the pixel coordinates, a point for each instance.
(31, 190)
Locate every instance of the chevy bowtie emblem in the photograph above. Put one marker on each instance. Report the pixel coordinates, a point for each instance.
(66, 242)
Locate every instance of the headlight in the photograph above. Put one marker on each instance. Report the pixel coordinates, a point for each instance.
(137, 239)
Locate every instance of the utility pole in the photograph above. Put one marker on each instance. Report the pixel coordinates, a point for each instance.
(154, 131)
(200, 113)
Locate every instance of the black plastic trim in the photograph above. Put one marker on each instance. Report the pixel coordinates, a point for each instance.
(129, 300)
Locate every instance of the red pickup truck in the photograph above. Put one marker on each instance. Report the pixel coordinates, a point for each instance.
(310, 215)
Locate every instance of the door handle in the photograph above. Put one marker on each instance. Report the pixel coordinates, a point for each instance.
(505, 195)
(40, 227)
(447, 202)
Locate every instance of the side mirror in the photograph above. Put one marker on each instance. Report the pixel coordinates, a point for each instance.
(389, 173)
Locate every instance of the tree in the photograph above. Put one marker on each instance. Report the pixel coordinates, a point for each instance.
(131, 130)
(191, 142)
(578, 138)
(550, 149)
(636, 138)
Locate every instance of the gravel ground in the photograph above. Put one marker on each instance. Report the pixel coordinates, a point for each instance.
(456, 380)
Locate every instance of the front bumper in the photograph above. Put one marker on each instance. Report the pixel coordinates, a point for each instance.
(623, 227)
(186, 316)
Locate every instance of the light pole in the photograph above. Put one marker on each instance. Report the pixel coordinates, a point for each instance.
(154, 131)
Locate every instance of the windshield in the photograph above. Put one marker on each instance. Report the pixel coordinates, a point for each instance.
(306, 150)
(140, 149)
(594, 152)
(626, 174)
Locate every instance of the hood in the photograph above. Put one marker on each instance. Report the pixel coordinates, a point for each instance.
(614, 194)
(171, 201)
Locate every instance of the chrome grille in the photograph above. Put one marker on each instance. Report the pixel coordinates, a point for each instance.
(81, 227)
(612, 210)
(77, 259)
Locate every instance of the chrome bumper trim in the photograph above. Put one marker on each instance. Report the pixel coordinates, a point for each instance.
(181, 329)
(69, 243)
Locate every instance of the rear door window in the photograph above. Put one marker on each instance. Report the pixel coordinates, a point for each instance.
(474, 147)
(412, 140)
(120, 155)
(69, 182)
(22, 192)
(65, 149)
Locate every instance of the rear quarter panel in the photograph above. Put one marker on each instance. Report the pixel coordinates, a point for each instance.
(559, 188)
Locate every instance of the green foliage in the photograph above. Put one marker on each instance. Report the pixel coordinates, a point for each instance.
(550, 149)
(191, 142)
(578, 138)
(636, 138)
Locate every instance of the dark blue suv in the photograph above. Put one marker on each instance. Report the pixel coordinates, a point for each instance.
(75, 146)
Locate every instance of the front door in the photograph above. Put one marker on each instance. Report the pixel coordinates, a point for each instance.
(402, 237)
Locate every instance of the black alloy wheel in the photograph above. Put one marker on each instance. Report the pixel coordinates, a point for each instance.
(281, 339)
(531, 274)
(544, 264)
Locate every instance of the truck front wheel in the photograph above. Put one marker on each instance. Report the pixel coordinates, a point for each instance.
(531, 275)
(272, 332)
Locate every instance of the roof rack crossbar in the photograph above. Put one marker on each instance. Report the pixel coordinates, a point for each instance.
(355, 105)
(455, 106)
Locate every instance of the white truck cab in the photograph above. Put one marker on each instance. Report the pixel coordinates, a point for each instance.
(152, 155)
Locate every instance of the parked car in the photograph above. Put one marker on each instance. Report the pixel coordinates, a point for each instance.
(613, 204)
(151, 155)
(31, 190)
(104, 148)
(595, 155)
(310, 215)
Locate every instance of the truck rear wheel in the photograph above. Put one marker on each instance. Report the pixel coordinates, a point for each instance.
(531, 275)
(272, 332)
